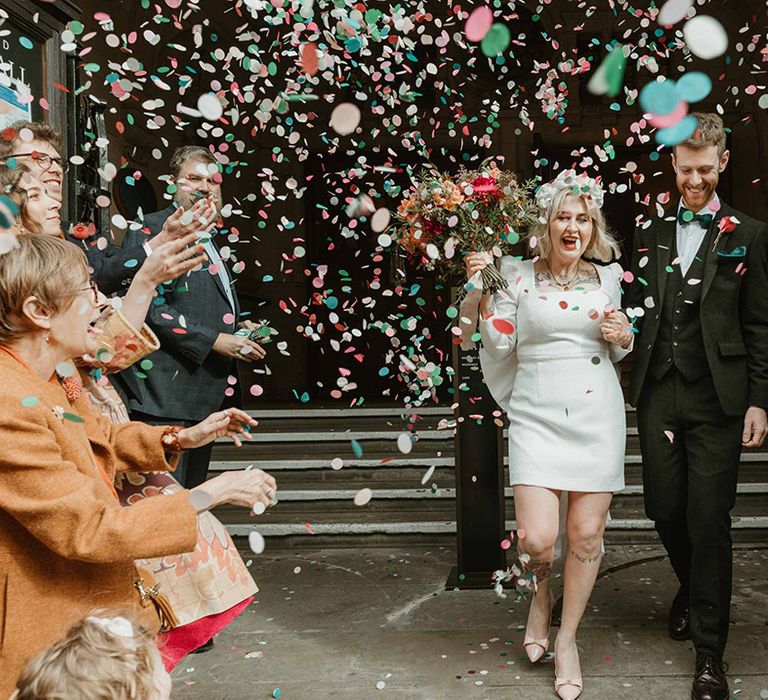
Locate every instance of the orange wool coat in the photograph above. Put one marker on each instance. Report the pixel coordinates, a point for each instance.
(66, 544)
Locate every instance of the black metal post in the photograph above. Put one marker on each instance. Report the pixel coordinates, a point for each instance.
(479, 478)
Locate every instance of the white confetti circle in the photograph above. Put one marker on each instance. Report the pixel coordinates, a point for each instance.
(673, 11)
(363, 496)
(705, 37)
(380, 219)
(210, 107)
(256, 542)
(404, 443)
(345, 118)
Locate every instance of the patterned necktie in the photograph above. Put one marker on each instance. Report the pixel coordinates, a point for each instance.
(686, 216)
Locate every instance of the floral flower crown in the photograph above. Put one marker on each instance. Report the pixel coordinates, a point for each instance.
(579, 184)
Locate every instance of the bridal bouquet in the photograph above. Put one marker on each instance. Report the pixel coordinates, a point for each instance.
(443, 217)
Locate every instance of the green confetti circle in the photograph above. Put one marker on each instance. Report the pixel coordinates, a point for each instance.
(30, 401)
(496, 40)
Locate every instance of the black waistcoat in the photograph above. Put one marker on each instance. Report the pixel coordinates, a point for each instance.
(680, 342)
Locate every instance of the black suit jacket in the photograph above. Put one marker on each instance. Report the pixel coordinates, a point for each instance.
(187, 378)
(734, 306)
(113, 267)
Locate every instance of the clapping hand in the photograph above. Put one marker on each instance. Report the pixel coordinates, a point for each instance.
(200, 218)
(616, 328)
(172, 259)
(229, 423)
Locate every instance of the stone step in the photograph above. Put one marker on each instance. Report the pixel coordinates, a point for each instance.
(394, 493)
(316, 501)
(446, 527)
(414, 467)
(338, 510)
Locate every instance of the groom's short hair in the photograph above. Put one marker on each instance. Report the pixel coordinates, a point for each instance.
(709, 132)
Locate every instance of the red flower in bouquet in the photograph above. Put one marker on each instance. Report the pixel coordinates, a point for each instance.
(82, 231)
(431, 228)
(485, 186)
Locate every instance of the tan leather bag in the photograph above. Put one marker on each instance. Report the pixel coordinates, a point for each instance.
(149, 594)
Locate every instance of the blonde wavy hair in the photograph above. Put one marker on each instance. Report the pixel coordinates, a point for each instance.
(602, 246)
(103, 657)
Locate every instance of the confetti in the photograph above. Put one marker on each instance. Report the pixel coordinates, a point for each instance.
(345, 118)
(479, 23)
(256, 542)
(705, 37)
(363, 496)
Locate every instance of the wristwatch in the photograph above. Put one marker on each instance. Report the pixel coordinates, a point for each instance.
(170, 439)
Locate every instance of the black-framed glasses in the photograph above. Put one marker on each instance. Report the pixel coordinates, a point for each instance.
(43, 160)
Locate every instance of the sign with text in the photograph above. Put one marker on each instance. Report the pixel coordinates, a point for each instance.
(21, 75)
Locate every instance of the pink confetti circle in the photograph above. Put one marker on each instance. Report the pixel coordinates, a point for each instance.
(505, 544)
(628, 276)
(228, 318)
(663, 121)
(479, 23)
(256, 390)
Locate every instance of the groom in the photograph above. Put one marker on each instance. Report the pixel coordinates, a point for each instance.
(699, 380)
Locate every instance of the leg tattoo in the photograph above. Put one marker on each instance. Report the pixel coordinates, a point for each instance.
(586, 560)
(540, 569)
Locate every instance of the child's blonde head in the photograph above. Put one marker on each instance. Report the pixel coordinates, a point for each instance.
(103, 657)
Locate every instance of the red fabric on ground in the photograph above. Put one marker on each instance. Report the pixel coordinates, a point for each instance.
(178, 642)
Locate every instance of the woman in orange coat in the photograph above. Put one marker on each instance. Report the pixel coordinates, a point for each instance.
(66, 544)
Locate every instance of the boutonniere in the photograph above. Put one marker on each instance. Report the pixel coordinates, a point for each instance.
(82, 231)
(725, 225)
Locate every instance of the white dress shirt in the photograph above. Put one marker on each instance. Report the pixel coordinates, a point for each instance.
(690, 235)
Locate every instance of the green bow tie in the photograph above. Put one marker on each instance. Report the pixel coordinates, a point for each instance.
(686, 216)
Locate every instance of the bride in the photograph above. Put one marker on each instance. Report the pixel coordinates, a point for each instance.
(549, 344)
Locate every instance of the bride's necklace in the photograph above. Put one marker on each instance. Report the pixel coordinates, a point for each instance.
(566, 285)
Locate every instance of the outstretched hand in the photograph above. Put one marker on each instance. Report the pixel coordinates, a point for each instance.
(230, 423)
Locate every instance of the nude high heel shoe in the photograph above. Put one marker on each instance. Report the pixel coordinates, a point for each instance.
(568, 688)
(536, 648)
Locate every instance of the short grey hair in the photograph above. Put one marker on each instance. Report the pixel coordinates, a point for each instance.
(602, 244)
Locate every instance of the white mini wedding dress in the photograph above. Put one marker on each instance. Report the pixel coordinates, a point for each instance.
(547, 365)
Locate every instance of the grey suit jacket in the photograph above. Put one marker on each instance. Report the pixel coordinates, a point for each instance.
(186, 379)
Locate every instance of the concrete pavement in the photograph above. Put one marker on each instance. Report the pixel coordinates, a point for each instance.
(379, 624)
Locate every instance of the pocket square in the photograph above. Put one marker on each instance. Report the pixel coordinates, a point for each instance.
(739, 252)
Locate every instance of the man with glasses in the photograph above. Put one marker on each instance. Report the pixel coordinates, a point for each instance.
(36, 145)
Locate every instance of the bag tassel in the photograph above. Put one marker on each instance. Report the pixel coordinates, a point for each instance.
(150, 595)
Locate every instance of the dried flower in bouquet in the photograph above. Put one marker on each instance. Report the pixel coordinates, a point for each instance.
(444, 217)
